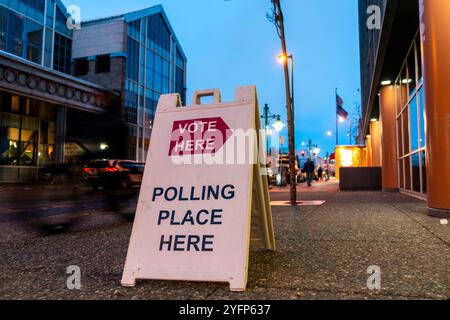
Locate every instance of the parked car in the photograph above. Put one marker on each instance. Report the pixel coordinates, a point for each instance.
(271, 177)
(107, 174)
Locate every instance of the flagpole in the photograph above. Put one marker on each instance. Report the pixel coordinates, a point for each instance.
(336, 116)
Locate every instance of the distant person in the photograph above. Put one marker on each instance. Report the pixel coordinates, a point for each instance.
(320, 174)
(308, 168)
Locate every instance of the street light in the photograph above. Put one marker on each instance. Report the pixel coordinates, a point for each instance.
(281, 58)
(103, 146)
(278, 125)
(329, 133)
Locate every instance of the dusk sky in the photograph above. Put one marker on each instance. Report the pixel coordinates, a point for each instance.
(232, 43)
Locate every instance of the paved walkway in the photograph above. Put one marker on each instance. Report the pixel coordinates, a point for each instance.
(323, 252)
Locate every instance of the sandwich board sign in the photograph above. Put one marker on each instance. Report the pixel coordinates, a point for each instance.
(204, 198)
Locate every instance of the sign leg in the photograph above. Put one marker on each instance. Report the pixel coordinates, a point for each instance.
(238, 285)
(128, 279)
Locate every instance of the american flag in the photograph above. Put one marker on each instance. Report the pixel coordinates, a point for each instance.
(339, 107)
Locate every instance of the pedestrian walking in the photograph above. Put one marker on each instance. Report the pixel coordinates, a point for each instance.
(320, 174)
(308, 168)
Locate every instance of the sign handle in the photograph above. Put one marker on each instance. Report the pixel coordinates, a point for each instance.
(196, 101)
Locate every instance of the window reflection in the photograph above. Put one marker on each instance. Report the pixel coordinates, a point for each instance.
(415, 161)
(149, 54)
(411, 122)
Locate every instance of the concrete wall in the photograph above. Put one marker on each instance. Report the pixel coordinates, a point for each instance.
(114, 80)
(104, 38)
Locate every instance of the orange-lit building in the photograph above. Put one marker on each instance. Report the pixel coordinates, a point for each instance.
(406, 96)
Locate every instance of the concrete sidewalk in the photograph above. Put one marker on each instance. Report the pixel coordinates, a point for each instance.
(323, 252)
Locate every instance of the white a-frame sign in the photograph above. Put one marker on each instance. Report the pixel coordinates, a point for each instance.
(204, 197)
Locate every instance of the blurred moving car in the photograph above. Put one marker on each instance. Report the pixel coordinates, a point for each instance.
(107, 174)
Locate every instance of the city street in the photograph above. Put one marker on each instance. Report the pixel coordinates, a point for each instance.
(323, 251)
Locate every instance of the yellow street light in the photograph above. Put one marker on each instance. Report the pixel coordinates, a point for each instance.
(341, 119)
(282, 58)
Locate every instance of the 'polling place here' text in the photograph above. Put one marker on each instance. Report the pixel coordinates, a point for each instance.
(200, 217)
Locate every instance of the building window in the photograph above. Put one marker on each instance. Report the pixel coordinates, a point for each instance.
(62, 53)
(411, 123)
(61, 22)
(103, 64)
(26, 131)
(81, 67)
(133, 59)
(3, 27)
(33, 36)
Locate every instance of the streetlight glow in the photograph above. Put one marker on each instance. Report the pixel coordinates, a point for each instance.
(278, 125)
(103, 146)
(329, 133)
(282, 58)
(341, 119)
(316, 151)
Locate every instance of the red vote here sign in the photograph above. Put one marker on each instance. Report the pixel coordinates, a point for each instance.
(198, 136)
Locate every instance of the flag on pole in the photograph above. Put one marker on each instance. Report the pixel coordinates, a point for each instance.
(339, 107)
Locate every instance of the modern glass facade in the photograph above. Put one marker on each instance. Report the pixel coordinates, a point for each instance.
(36, 30)
(155, 66)
(411, 123)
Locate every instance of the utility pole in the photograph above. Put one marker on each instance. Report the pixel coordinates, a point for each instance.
(336, 116)
(266, 126)
(278, 19)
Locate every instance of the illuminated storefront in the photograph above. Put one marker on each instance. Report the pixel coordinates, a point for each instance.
(27, 128)
(350, 157)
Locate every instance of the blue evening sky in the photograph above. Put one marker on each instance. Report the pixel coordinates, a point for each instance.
(231, 43)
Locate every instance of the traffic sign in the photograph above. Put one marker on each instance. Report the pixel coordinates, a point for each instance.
(196, 221)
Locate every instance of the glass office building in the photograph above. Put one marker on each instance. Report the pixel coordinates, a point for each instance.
(56, 83)
(36, 30)
(154, 64)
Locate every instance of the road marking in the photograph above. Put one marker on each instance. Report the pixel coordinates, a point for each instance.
(299, 203)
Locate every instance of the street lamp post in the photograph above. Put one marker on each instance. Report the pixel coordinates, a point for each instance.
(278, 19)
(278, 126)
